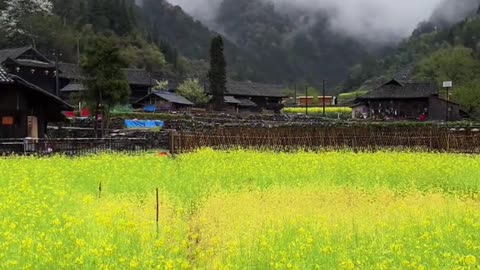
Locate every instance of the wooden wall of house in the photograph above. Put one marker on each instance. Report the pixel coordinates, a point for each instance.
(405, 108)
(162, 104)
(38, 78)
(138, 92)
(180, 107)
(12, 104)
(230, 108)
(438, 110)
(263, 102)
(19, 103)
(360, 112)
(329, 101)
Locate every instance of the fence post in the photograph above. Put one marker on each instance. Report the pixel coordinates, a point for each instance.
(157, 212)
(171, 142)
(448, 140)
(431, 140)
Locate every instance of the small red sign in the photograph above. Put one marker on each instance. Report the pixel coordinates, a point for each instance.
(7, 120)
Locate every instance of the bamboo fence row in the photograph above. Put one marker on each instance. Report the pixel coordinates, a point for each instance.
(435, 139)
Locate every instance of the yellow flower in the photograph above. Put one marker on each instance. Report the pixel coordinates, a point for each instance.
(471, 260)
(80, 243)
(56, 222)
(134, 263)
(348, 265)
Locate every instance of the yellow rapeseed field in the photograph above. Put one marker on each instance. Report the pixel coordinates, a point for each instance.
(241, 210)
(334, 111)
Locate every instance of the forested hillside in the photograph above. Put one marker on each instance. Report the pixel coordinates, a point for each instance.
(262, 43)
(294, 47)
(435, 52)
(177, 33)
(68, 25)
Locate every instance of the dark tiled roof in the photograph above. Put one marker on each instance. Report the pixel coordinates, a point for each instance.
(168, 96)
(33, 63)
(227, 99)
(173, 98)
(252, 89)
(247, 103)
(139, 77)
(4, 77)
(70, 71)
(16, 54)
(231, 100)
(12, 53)
(73, 87)
(397, 90)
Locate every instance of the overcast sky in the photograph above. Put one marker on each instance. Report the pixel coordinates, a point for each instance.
(370, 19)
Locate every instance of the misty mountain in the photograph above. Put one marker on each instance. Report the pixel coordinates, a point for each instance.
(453, 25)
(295, 47)
(170, 26)
(454, 11)
(310, 40)
(263, 43)
(275, 41)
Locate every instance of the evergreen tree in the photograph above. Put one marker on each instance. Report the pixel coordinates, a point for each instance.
(106, 82)
(217, 75)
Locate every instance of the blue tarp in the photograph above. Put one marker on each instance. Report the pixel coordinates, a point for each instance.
(144, 123)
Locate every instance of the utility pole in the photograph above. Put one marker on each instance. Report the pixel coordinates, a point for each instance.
(324, 97)
(306, 99)
(447, 85)
(78, 51)
(295, 98)
(57, 54)
(448, 105)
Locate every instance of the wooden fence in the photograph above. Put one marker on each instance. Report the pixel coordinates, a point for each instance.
(462, 140)
(73, 147)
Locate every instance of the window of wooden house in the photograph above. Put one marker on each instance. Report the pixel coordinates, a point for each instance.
(8, 121)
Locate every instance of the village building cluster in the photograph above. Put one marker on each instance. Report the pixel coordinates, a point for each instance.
(36, 90)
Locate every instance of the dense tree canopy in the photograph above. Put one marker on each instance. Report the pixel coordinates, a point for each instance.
(193, 91)
(107, 85)
(468, 95)
(456, 64)
(106, 81)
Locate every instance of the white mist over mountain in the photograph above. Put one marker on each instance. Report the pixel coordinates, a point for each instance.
(371, 20)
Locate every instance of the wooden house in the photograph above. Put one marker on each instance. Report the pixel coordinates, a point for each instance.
(265, 96)
(160, 101)
(406, 101)
(140, 82)
(26, 109)
(32, 66)
(71, 77)
(256, 97)
(235, 105)
(36, 68)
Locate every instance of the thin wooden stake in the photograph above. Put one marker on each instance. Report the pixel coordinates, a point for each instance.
(158, 212)
(100, 190)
